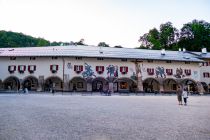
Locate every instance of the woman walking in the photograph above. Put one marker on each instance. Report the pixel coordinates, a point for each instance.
(179, 95)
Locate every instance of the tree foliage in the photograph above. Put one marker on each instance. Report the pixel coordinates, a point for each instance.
(193, 36)
(103, 44)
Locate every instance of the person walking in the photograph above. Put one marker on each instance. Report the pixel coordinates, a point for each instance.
(179, 95)
(185, 95)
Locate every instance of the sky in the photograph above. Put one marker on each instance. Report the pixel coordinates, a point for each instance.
(116, 22)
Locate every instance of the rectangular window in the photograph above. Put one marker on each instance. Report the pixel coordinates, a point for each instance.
(124, 59)
(150, 61)
(168, 61)
(124, 69)
(206, 75)
(78, 58)
(12, 68)
(12, 58)
(169, 71)
(187, 62)
(100, 69)
(32, 58)
(99, 58)
(187, 72)
(78, 68)
(54, 57)
(150, 71)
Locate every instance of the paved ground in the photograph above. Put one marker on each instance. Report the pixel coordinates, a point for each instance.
(47, 117)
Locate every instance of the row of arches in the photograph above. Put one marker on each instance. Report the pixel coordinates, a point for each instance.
(97, 84)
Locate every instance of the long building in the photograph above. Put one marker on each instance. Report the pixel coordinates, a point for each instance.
(91, 68)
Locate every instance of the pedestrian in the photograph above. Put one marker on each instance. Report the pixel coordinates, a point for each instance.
(179, 95)
(185, 95)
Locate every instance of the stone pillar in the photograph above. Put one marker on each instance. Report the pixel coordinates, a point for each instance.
(161, 88)
(111, 87)
(40, 83)
(200, 88)
(89, 86)
(139, 84)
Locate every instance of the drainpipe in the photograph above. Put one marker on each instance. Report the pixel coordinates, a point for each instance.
(63, 73)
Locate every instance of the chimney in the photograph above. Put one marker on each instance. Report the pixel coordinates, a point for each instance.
(204, 51)
(180, 49)
(163, 52)
(184, 50)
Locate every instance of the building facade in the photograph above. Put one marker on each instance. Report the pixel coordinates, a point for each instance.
(89, 68)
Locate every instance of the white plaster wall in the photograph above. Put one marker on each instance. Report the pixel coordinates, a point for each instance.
(195, 69)
(42, 67)
(93, 62)
(205, 69)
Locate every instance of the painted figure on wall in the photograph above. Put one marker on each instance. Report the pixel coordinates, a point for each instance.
(179, 73)
(159, 71)
(112, 71)
(88, 73)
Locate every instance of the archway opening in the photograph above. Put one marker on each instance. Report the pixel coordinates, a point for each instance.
(53, 82)
(124, 85)
(100, 84)
(78, 84)
(31, 83)
(11, 83)
(151, 85)
(191, 85)
(170, 85)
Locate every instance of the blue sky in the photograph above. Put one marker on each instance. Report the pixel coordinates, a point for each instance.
(116, 22)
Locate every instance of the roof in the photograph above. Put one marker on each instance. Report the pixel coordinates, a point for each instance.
(95, 51)
(202, 55)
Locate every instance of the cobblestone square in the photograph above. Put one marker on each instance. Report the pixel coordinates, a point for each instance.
(76, 117)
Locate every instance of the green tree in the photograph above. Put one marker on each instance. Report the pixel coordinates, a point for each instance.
(103, 44)
(167, 35)
(195, 35)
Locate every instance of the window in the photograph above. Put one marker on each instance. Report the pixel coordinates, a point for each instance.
(206, 75)
(78, 68)
(31, 68)
(53, 68)
(150, 71)
(169, 71)
(21, 68)
(78, 58)
(11, 68)
(99, 58)
(124, 69)
(168, 61)
(54, 57)
(150, 61)
(187, 72)
(124, 59)
(187, 62)
(12, 58)
(100, 69)
(32, 58)
(123, 85)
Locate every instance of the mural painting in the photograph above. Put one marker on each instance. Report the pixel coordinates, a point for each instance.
(112, 71)
(179, 73)
(159, 71)
(88, 73)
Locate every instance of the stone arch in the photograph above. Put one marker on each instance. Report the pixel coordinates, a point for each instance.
(100, 84)
(78, 84)
(190, 84)
(205, 87)
(48, 84)
(151, 85)
(170, 85)
(1, 84)
(30, 82)
(11, 83)
(124, 84)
